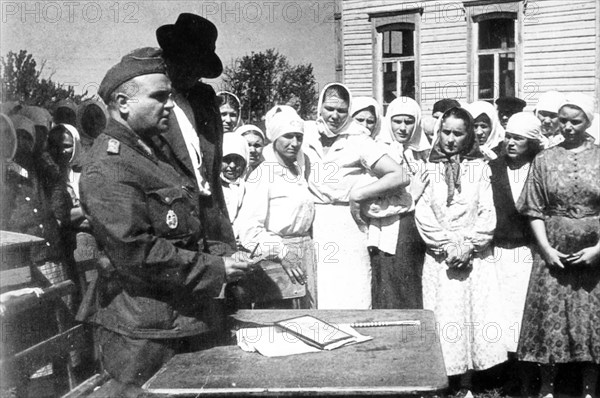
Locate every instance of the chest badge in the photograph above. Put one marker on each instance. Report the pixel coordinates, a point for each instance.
(172, 221)
(113, 146)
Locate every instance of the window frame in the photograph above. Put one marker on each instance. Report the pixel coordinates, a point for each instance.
(385, 22)
(482, 11)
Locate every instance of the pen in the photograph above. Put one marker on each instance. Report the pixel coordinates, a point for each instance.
(254, 251)
(384, 323)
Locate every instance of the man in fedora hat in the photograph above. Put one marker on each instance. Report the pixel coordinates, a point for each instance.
(195, 134)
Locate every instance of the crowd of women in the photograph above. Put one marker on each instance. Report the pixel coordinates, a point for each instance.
(495, 228)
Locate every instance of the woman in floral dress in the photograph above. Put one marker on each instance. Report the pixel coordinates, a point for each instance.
(561, 322)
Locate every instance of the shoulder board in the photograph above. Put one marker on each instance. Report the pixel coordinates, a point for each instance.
(113, 146)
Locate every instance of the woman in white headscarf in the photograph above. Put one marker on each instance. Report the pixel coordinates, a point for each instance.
(256, 142)
(562, 200)
(279, 208)
(367, 112)
(513, 238)
(234, 163)
(341, 152)
(488, 129)
(398, 250)
(546, 111)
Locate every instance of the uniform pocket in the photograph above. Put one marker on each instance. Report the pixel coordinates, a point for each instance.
(172, 213)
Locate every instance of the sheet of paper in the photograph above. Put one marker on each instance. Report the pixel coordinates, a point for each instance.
(272, 341)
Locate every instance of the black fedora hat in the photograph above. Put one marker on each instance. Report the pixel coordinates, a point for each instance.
(192, 38)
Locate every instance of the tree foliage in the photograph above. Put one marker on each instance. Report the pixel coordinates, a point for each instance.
(22, 82)
(265, 79)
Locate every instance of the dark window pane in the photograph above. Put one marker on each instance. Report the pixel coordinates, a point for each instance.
(407, 84)
(507, 75)
(398, 43)
(497, 33)
(390, 74)
(486, 77)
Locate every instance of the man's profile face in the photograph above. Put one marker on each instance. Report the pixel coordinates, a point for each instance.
(183, 74)
(149, 104)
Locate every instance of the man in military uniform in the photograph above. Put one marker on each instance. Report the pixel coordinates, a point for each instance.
(195, 134)
(508, 106)
(156, 301)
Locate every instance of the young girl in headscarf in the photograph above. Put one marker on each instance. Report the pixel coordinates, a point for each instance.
(234, 163)
(341, 152)
(456, 218)
(546, 111)
(398, 250)
(256, 142)
(367, 112)
(230, 107)
(488, 130)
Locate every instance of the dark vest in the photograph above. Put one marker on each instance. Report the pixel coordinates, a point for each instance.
(512, 228)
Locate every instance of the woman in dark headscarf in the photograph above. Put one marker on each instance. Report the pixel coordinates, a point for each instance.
(456, 219)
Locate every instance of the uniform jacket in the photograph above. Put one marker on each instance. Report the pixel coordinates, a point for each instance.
(145, 216)
(213, 210)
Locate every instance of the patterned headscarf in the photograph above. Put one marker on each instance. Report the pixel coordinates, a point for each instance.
(469, 151)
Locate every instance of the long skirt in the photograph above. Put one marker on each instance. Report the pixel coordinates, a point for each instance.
(513, 267)
(396, 282)
(343, 264)
(561, 322)
(469, 315)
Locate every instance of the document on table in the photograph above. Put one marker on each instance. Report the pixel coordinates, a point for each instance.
(272, 341)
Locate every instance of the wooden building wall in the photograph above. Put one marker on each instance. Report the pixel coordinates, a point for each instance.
(559, 48)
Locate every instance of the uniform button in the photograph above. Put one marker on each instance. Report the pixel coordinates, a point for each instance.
(27, 198)
(47, 243)
(42, 226)
(35, 210)
(167, 199)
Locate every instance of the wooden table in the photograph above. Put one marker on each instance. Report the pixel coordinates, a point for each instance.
(399, 360)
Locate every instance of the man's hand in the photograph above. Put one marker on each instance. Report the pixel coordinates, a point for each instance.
(292, 266)
(236, 267)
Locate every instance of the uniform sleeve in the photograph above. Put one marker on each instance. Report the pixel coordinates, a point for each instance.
(253, 218)
(433, 233)
(533, 198)
(118, 213)
(482, 232)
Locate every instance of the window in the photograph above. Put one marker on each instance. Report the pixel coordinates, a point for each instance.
(496, 53)
(493, 32)
(396, 60)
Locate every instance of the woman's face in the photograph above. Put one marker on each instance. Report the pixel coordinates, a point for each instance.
(230, 117)
(549, 122)
(232, 166)
(67, 147)
(255, 145)
(335, 112)
(483, 128)
(366, 118)
(287, 146)
(573, 124)
(403, 127)
(516, 146)
(453, 136)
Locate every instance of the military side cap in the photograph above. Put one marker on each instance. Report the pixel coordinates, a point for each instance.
(143, 61)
